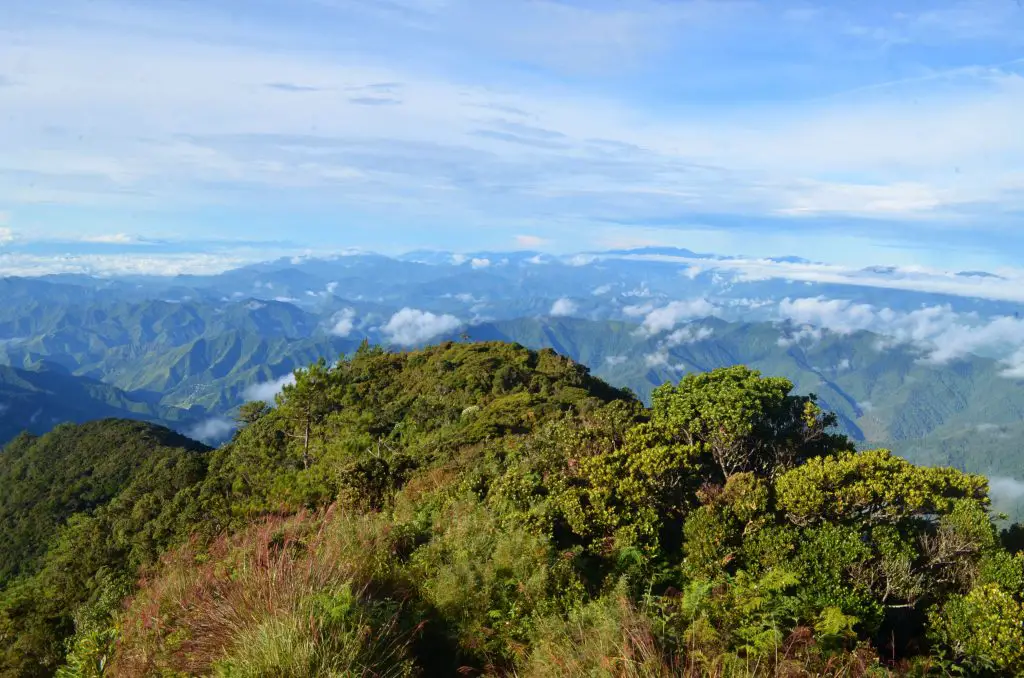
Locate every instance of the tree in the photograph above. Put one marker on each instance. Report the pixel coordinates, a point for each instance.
(306, 403)
(746, 422)
(872, 488)
(252, 412)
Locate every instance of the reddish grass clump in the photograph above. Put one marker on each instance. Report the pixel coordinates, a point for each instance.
(301, 590)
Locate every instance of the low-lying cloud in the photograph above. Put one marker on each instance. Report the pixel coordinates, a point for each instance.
(344, 322)
(1007, 286)
(688, 335)
(212, 431)
(939, 331)
(668, 316)
(412, 326)
(563, 307)
(1001, 487)
(267, 391)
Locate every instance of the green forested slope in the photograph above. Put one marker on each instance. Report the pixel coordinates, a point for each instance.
(484, 509)
(75, 470)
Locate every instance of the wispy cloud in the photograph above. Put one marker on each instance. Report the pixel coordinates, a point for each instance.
(1009, 286)
(1001, 487)
(375, 101)
(343, 322)
(530, 241)
(292, 87)
(396, 110)
(20, 264)
(113, 239)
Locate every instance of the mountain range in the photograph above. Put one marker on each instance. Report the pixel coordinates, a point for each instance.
(927, 373)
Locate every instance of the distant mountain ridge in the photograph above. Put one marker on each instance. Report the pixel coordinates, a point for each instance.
(189, 350)
(37, 400)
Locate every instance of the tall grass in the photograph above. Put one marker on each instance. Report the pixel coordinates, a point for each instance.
(607, 638)
(310, 595)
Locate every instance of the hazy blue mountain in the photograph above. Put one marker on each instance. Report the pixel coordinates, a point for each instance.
(37, 400)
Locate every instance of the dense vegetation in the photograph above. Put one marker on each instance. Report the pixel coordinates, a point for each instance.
(483, 509)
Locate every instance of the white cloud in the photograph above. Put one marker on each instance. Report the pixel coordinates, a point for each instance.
(267, 391)
(657, 359)
(478, 263)
(603, 289)
(692, 272)
(637, 309)
(843, 365)
(661, 358)
(581, 259)
(112, 239)
(6, 234)
(563, 307)
(838, 315)
(211, 431)
(670, 315)
(992, 430)
(614, 360)
(1001, 487)
(1009, 286)
(688, 335)
(412, 326)
(344, 322)
(1015, 365)
(194, 263)
(942, 333)
(332, 287)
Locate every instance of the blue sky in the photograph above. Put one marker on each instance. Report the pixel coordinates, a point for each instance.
(848, 132)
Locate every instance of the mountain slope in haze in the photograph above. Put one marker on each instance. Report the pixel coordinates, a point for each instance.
(206, 357)
(187, 355)
(37, 400)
